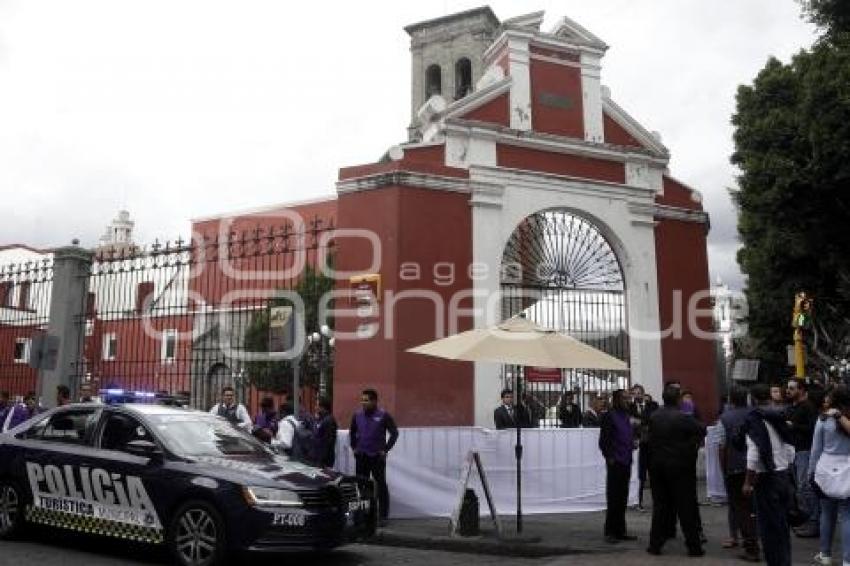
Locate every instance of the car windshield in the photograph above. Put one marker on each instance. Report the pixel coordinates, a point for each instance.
(195, 435)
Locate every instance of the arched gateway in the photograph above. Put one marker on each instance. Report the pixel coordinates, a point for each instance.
(536, 166)
(559, 271)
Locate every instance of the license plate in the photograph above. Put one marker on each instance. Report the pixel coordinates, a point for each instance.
(289, 520)
(362, 505)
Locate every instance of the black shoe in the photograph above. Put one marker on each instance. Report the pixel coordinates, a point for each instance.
(696, 552)
(627, 537)
(611, 539)
(654, 551)
(807, 533)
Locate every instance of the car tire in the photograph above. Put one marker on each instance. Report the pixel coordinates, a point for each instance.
(196, 535)
(12, 506)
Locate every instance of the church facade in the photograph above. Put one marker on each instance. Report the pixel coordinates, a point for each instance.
(523, 188)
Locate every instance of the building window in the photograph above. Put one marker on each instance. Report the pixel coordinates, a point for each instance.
(144, 294)
(24, 296)
(463, 78)
(110, 346)
(6, 294)
(169, 345)
(433, 81)
(22, 350)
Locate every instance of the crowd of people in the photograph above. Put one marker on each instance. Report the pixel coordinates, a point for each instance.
(312, 438)
(784, 453)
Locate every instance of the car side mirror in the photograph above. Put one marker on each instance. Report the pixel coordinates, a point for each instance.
(144, 448)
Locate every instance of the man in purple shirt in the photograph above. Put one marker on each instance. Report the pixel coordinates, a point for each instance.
(617, 442)
(5, 406)
(368, 436)
(21, 412)
(266, 421)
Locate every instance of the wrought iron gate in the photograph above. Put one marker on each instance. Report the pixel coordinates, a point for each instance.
(560, 272)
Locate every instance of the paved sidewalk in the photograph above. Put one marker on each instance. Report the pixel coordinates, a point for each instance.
(579, 535)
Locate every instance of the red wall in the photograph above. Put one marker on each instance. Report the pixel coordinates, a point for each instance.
(16, 378)
(560, 164)
(424, 227)
(559, 81)
(682, 263)
(616, 134)
(495, 112)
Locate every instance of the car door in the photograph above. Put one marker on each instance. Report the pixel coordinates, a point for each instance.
(135, 495)
(56, 450)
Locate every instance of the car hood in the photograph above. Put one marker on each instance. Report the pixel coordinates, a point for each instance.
(276, 471)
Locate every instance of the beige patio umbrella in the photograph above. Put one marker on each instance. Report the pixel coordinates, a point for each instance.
(518, 341)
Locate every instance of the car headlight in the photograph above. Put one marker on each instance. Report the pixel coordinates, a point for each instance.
(269, 497)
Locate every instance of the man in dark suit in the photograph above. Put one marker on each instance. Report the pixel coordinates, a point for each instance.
(641, 410)
(674, 440)
(569, 413)
(507, 415)
(616, 442)
(592, 417)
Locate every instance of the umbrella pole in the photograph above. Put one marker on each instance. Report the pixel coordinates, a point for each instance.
(518, 453)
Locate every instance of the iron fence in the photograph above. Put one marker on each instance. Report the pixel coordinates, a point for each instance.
(186, 318)
(25, 290)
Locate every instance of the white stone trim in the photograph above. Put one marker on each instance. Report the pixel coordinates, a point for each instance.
(640, 174)
(463, 151)
(554, 182)
(520, 72)
(632, 126)
(403, 178)
(265, 208)
(554, 143)
(591, 93)
(623, 214)
(555, 61)
(567, 27)
(683, 214)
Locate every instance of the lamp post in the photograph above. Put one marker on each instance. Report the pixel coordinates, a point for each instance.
(324, 341)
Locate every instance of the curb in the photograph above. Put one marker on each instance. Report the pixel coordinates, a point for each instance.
(470, 545)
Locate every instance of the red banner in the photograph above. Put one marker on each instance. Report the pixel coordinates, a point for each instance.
(542, 375)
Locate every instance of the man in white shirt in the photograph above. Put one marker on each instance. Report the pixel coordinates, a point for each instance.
(234, 412)
(769, 455)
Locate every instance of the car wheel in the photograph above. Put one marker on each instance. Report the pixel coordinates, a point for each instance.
(11, 510)
(196, 535)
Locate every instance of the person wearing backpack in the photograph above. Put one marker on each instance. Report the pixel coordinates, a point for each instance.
(294, 437)
(324, 435)
(368, 437)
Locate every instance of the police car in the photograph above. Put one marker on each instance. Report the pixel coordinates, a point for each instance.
(183, 478)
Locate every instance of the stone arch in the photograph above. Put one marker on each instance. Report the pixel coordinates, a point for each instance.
(503, 198)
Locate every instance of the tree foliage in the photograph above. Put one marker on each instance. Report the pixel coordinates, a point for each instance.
(792, 145)
(278, 375)
(832, 16)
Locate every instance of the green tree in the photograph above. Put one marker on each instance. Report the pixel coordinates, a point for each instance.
(278, 375)
(792, 145)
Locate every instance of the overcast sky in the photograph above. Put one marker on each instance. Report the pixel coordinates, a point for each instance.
(179, 109)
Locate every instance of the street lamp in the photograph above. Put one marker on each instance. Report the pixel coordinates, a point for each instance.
(324, 341)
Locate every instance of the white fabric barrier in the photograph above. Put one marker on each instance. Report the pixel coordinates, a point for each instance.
(715, 487)
(562, 470)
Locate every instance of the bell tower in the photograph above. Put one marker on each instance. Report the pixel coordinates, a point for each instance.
(446, 56)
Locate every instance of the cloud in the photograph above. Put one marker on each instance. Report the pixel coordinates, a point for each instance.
(178, 110)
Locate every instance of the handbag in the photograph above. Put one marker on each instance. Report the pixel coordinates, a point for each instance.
(832, 474)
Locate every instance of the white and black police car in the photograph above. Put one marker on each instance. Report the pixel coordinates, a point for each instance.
(183, 478)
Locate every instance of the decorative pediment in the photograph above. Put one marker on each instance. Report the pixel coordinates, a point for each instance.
(574, 32)
(531, 22)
